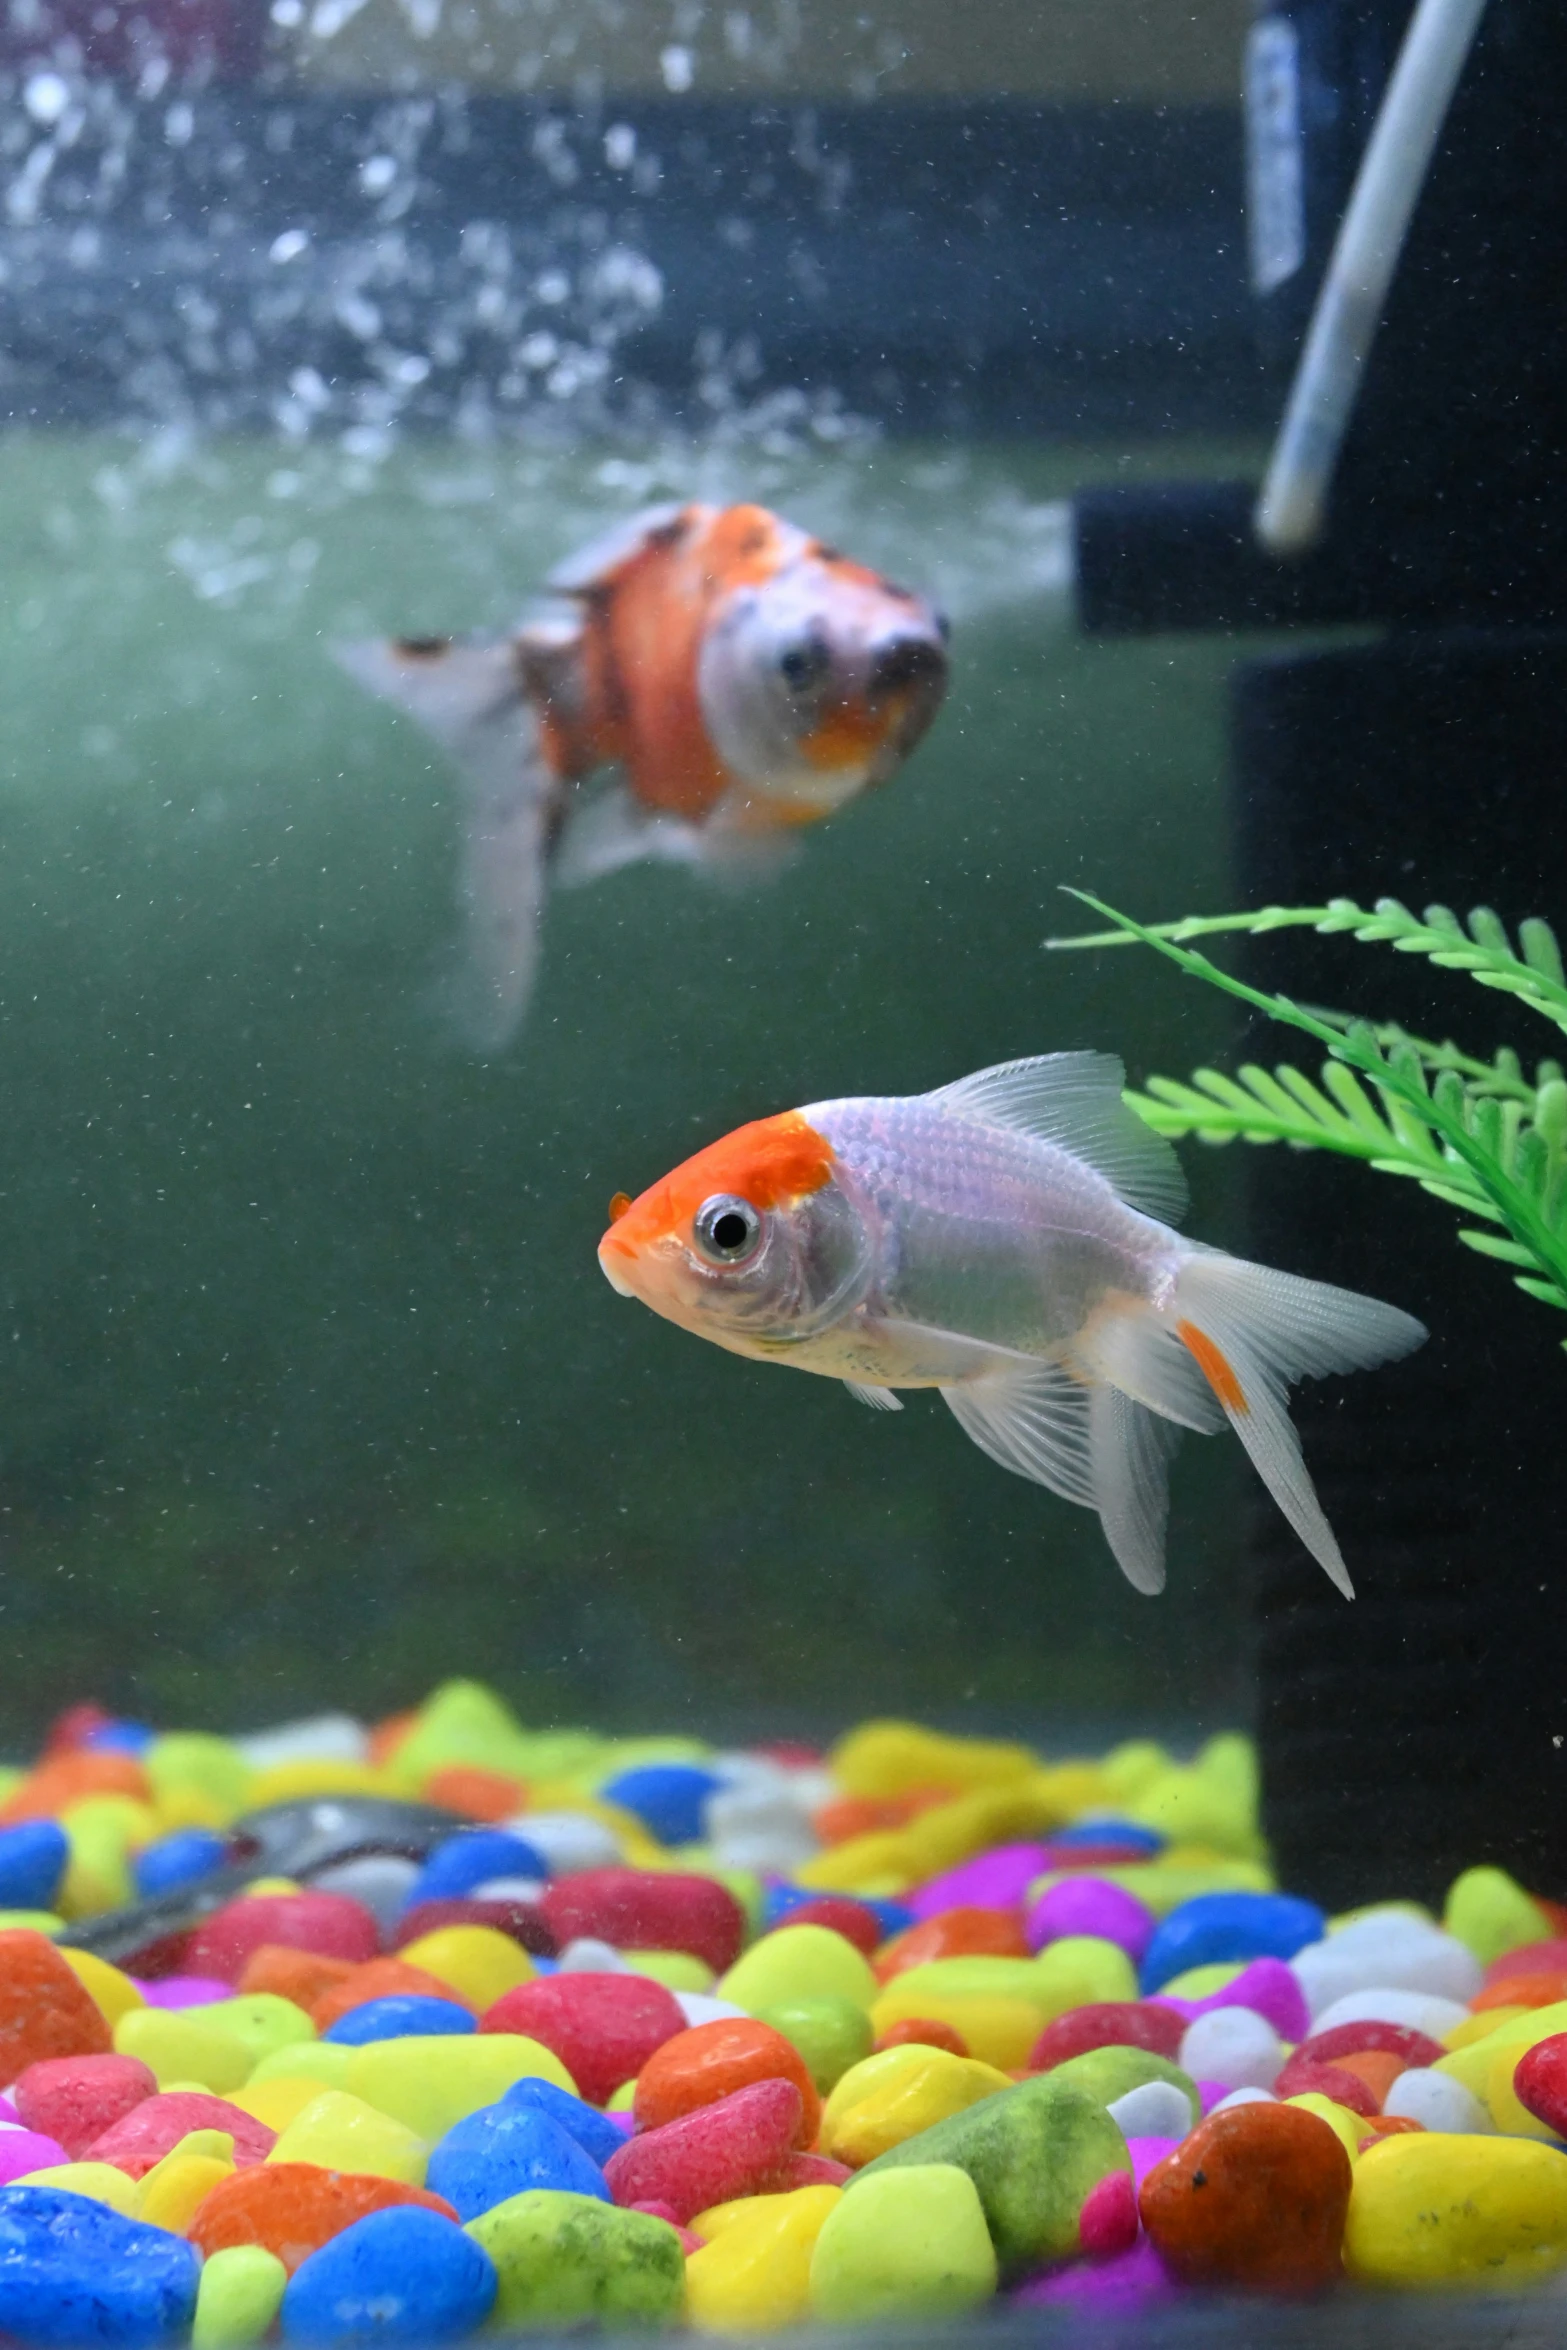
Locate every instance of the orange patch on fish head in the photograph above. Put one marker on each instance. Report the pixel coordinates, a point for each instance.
(769, 1164)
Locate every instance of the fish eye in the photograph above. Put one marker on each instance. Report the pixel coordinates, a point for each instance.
(726, 1229)
(804, 664)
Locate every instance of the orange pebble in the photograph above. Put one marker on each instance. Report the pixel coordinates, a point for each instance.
(67, 1778)
(924, 2032)
(301, 1975)
(864, 1815)
(1385, 2125)
(1542, 1990)
(1555, 1913)
(710, 2061)
(479, 1795)
(1377, 2067)
(386, 1737)
(293, 2208)
(957, 1933)
(380, 1978)
(44, 2011)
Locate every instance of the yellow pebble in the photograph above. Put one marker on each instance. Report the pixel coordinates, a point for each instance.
(112, 1993)
(260, 2021)
(237, 2298)
(39, 1921)
(342, 2132)
(879, 1861)
(798, 1962)
(1127, 1769)
(998, 2030)
(624, 2099)
(1349, 2127)
(1524, 2026)
(677, 1970)
(1199, 1982)
(278, 2101)
(1483, 2026)
(187, 1762)
(906, 2243)
(100, 2180)
(260, 1887)
(171, 2196)
(890, 2097)
(754, 2268)
(893, 1758)
(179, 2047)
(325, 2062)
(480, 1962)
(317, 1775)
(1476, 2213)
(434, 2081)
(1490, 1912)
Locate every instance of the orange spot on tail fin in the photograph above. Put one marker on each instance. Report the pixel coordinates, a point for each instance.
(1214, 1365)
(619, 1205)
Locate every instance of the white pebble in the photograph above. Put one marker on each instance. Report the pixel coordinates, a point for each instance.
(1438, 2102)
(381, 1880)
(508, 1889)
(1234, 2045)
(1244, 2097)
(322, 1738)
(586, 1956)
(1386, 1949)
(699, 2007)
(567, 1841)
(1158, 2109)
(1385, 2003)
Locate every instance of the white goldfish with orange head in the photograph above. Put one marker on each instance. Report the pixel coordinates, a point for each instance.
(1008, 1240)
(744, 678)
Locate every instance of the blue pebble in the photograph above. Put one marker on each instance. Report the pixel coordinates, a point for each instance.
(73, 2273)
(178, 1860)
(1111, 1831)
(596, 2133)
(398, 2276)
(472, 1858)
(120, 1738)
(33, 1857)
(1218, 1926)
(779, 1899)
(668, 1798)
(402, 2015)
(504, 2150)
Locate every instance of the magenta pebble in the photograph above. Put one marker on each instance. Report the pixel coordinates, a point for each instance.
(1270, 1989)
(8, 2113)
(1125, 2282)
(24, 2150)
(1107, 2223)
(1090, 1905)
(184, 1991)
(1211, 2092)
(1145, 2152)
(995, 1880)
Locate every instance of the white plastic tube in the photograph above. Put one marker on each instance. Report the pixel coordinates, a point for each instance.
(1293, 502)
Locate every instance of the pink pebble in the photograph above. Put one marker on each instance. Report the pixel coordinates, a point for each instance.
(8, 2112)
(1125, 2282)
(327, 1923)
(1107, 2223)
(739, 2145)
(647, 1909)
(25, 2150)
(176, 1991)
(812, 2170)
(995, 1880)
(76, 2098)
(1145, 2152)
(1270, 1989)
(1211, 2092)
(1090, 1905)
(152, 2129)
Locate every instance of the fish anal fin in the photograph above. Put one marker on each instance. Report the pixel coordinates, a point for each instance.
(594, 566)
(1130, 1449)
(1033, 1418)
(1074, 1100)
(880, 1399)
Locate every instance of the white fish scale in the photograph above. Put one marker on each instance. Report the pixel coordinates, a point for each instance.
(986, 1230)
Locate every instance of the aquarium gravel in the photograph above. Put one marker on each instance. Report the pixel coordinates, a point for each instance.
(663, 2034)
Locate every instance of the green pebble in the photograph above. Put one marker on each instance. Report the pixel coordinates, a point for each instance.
(830, 2034)
(238, 2297)
(1108, 2073)
(562, 2258)
(1034, 2153)
(798, 1962)
(1490, 1912)
(326, 2061)
(261, 2022)
(911, 2243)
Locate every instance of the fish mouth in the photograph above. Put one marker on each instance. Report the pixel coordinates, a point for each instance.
(908, 661)
(617, 1281)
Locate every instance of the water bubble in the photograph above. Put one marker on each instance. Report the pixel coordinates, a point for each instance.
(289, 245)
(179, 124)
(377, 173)
(46, 96)
(553, 287)
(620, 146)
(678, 67)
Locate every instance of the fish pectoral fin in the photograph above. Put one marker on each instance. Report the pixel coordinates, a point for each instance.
(1129, 1454)
(596, 564)
(1032, 1418)
(1075, 1101)
(612, 830)
(880, 1399)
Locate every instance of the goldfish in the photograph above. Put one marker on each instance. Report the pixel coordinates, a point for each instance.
(1009, 1240)
(743, 678)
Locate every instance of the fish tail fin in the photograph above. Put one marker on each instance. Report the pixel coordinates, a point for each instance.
(1251, 1332)
(472, 700)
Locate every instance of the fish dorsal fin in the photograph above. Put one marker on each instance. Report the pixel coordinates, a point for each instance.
(880, 1399)
(1074, 1100)
(596, 564)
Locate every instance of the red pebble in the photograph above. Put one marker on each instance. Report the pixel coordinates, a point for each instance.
(1540, 2082)
(43, 2009)
(710, 2061)
(646, 1909)
(524, 1921)
(740, 2146)
(1107, 2223)
(851, 1919)
(921, 2031)
(811, 2170)
(293, 2208)
(74, 2099)
(1411, 2047)
(1302, 2078)
(1108, 2023)
(328, 1923)
(1255, 2199)
(602, 2027)
(73, 1728)
(152, 2129)
(1531, 1958)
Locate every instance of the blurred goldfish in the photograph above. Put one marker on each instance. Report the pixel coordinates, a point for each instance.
(1007, 1240)
(743, 677)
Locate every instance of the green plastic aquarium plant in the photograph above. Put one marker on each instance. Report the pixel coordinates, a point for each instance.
(1477, 1134)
